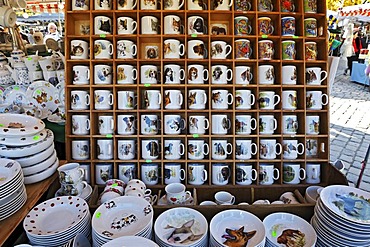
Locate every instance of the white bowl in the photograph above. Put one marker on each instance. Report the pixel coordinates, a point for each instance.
(312, 193)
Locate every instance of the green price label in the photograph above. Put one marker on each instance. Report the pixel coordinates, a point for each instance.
(36, 138)
(98, 214)
(1, 125)
(194, 35)
(114, 185)
(109, 136)
(29, 59)
(265, 36)
(148, 161)
(295, 37)
(274, 234)
(38, 91)
(103, 36)
(16, 88)
(196, 135)
(146, 85)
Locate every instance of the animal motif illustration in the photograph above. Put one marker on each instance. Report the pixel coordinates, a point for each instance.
(237, 238)
(98, 48)
(75, 98)
(193, 122)
(290, 237)
(129, 121)
(130, 100)
(100, 123)
(167, 99)
(264, 150)
(122, 3)
(216, 74)
(217, 49)
(42, 98)
(121, 49)
(81, 3)
(270, 74)
(192, 99)
(154, 25)
(151, 74)
(309, 100)
(146, 99)
(292, 100)
(311, 52)
(294, 76)
(199, 49)
(192, 149)
(121, 74)
(290, 50)
(69, 190)
(103, 74)
(110, 204)
(174, 124)
(105, 26)
(193, 74)
(262, 125)
(152, 175)
(168, 72)
(310, 146)
(264, 101)
(310, 76)
(240, 125)
(183, 234)
(354, 205)
(150, 122)
(152, 148)
(216, 30)
(167, 173)
(99, 99)
(190, 174)
(219, 149)
(241, 149)
(103, 3)
(197, 25)
(149, 2)
(241, 175)
(238, 100)
(315, 126)
(263, 177)
(176, 25)
(224, 123)
(246, 75)
(199, 2)
(77, 50)
(129, 173)
(104, 174)
(225, 174)
(125, 149)
(168, 4)
(152, 53)
(125, 221)
(84, 29)
(217, 3)
(216, 97)
(312, 4)
(122, 25)
(291, 124)
(288, 27)
(168, 149)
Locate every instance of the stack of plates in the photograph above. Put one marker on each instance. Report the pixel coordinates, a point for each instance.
(79, 241)
(131, 241)
(12, 190)
(181, 227)
(58, 220)
(342, 217)
(284, 229)
(227, 227)
(122, 216)
(24, 139)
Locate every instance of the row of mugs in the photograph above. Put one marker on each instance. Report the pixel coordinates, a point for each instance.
(218, 173)
(196, 74)
(218, 149)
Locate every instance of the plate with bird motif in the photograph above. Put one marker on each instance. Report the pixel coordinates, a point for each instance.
(42, 95)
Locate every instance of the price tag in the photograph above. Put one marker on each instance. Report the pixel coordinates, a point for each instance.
(147, 85)
(194, 35)
(38, 91)
(103, 36)
(109, 136)
(295, 37)
(196, 135)
(265, 36)
(29, 59)
(98, 215)
(16, 88)
(274, 234)
(114, 185)
(148, 161)
(36, 138)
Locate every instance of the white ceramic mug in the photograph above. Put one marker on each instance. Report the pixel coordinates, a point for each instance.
(313, 173)
(172, 23)
(102, 25)
(126, 74)
(173, 74)
(126, 124)
(198, 124)
(316, 99)
(312, 125)
(173, 4)
(80, 5)
(103, 74)
(149, 173)
(127, 172)
(224, 198)
(220, 50)
(290, 124)
(176, 193)
(81, 74)
(244, 149)
(80, 149)
(289, 74)
(79, 49)
(197, 49)
(149, 24)
(291, 149)
(126, 100)
(103, 172)
(149, 149)
(149, 124)
(243, 75)
(266, 74)
(267, 124)
(173, 49)
(197, 149)
(126, 5)
(268, 100)
(245, 174)
(196, 5)
(103, 49)
(221, 74)
(173, 173)
(173, 124)
(293, 173)
(244, 99)
(73, 189)
(173, 99)
(312, 147)
(152, 99)
(103, 99)
(80, 100)
(126, 49)
(104, 149)
(221, 99)
(103, 5)
(289, 100)
(196, 25)
(220, 174)
(244, 124)
(126, 25)
(148, 5)
(220, 124)
(149, 74)
(173, 149)
(126, 149)
(267, 174)
(197, 174)
(315, 75)
(105, 125)
(197, 74)
(269, 149)
(70, 173)
(87, 172)
(197, 99)
(221, 149)
(80, 124)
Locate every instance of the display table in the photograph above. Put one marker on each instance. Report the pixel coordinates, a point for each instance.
(358, 73)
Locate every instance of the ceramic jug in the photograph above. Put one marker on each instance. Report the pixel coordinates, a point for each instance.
(19, 74)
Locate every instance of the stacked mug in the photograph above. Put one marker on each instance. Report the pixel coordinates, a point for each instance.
(71, 179)
(136, 187)
(113, 188)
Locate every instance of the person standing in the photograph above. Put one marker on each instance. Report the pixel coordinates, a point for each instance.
(52, 32)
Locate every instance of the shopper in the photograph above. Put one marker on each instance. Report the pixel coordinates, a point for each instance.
(356, 47)
(52, 32)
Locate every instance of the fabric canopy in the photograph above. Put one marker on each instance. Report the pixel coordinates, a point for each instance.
(360, 12)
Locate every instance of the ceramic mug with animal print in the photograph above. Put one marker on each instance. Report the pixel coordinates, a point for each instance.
(312, 125)
(221, 149)
(315, 76)
(79, 49)
(80, 100)
(197, 149)
(126, 149)
(197, 174)
(126, 124)
(244, 99)
(197, 49)
(244, 124)
(80, 5)
(106, 125)
(287, 6)
(243, 75)
(310, 6)
(70, 173)
(176, 193)
(293, 173)
(126, 25)
(172, 48)
(87, 174)
(265, 26)
(266, 49)
(310, 25)
(103, 172)
(126, 74)
(242, 25)
(289, 74)
(149, 124)
(172, 24)
(311, 148)
(103, 99)
(103, 5)
(148, 4)
(149, 149)
(126, 100)
(243, 5)
(266, 74)
(198, 124)
(150, 174)
(173, 4)
(268, 174)
(173, 74)
(126, 49)
(173, 149)
(268, 100)
(80, 149)
(221, 99)
(103, 74)
(173, 173)
(149, 74)
(244, 149)
(102, 25)
(288, 50)
(222, 4)
(269, 149)
(127, 172)
(265, 5)
(267, 124)
(218, 29)
(287, 26)
(197, 5)
(173, 124)
(292, 149)
(196, 25)
(313, 173)
(197, 99)
(220, 124)
(80, 124)
(220, 50)
(220, 174)
(315, 100)
(104, 149)
(81, 74)
(221, 74)
(311, 52)
(151, 52)
(152, 99)
(243, 49)
(126, 4)
(73, 189)
(290, 124)
(103, 49)
(245, 174)
(289, 100)
(149, 25)
(197, 74)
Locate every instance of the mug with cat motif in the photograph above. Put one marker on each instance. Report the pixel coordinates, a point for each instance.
(126, 4)
(197, 5)
(126, 25)
(80, 5)
(126, 49)
(103, 172)
(102, 25)
(197, 49)
(148, 4)
(126, 74)
(196, 25)
(222, 4)
(79, 49)
(173, 4)
(103, 49)
(173, 49)
(172, 24)
(103, 5)
(173, 74)
(197, 74)
(149, 25)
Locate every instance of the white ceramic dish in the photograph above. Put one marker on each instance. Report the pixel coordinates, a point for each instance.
(15, 125)
(15, 95)
(36, 158)
(18, 189)
(131, 241)
(189, 200)
(17, 152)
(9, 169)
(23, 140)
(15, 206)
(27, 171)
(15, 183)
(42, 95)
(37, 177)
(59, 93)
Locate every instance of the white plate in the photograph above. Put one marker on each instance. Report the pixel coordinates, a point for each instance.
(36, 158)
(15, 125)
(42, 95)
(17, 189)
(28, 171)
(23, 141)
(37, 177)
(16, 152)
(59, 93)
(18, 204)
(15, 95)
(10, 186)
(131, 241)
(56, 118)
(9, 169)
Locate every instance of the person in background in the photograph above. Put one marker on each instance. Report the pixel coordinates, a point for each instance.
(52, 32)
(31, 40)
(356, 47)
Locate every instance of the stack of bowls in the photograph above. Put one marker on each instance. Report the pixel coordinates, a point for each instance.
(131, 241)
(12, 190)
(24, 139)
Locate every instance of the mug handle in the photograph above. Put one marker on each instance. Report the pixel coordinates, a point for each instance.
(275, 124)
(181, 99)
(231, 148)
(253, 120)
(88, 74)
(110, 149)
(182, 172)
(229, 124)
(277, 173)
(228, 52)
(147, 192)
(181, 49)
(229, 72)
(134, 5)
(134, 26)
(87, 124)
(293, 8)
(272, 29)
(82, 171)
(303, 173)
(324, 96)
(206, 124)
(183, 124)
(278, 99)
(232, 200)
(252, 99)
(181, 74)
(181, 4)
(255, 148)
(302, 149)
(231, 97)
(188, 194)
(154, 198)
(249, 29)
(111, 49)
(134, 74)
(205, 75)
(231, 3)
(205, 98)
(181, 149)
(111, 99)
(134, 50)
(87, 99)
(254, 175)
(205, 53)
(325, 75)
(159, 99)
(205, 176)
(112, 124)
(280, 148)
(205, 147)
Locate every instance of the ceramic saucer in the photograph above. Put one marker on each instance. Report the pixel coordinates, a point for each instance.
(86, 193)
(189, 200)
(42, 95)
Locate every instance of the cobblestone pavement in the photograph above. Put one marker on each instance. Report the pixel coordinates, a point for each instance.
(350, 126)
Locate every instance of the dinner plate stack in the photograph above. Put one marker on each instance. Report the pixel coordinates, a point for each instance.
(342, 217)
(24, 139)
(181, 226)
(122, 216)
(131, 241)
(12, 190)
(236, 228)
(284, 229)
(58, 220)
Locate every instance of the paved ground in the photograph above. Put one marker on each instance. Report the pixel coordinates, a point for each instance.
(350, 126)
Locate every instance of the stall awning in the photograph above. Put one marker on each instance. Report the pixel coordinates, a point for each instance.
(45, 8)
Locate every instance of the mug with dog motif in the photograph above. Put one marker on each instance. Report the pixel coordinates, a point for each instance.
(220, 50)
(173, 173)
(221, 149)
(312, 125)
(102, 25)
(197, 174)
(173, 74)
(70, 173)
(222, 4)
(149, 25)
(80, 124)
(221, 99)
(315, 75)
(244, 149)
(197, 99)
(244, 99)
(103, 99)
(243, 49)
(291, 149)
(220, 174)
(126, 100)
(126, 25)
(196, 5)
(220, 124)
(126, 5)
(243, 75)
(106, 125)
(173, 4)
(149, 74)
(126, 49)
(80, 149)
(103, 172)
(269, 149)
(152, 99)
(221, 74)
(80, 100)
(289, 100)
(173, 49)
(289, 74)
(173, 149)
(79, 49)
(293, 173)
(148, 4)
(150, 173)
(81, 75)
(173, 124)
(267, 124)
(127, 172)
(268, 100)
(126, 74)
(198, 124)
(149, 149)
(197, 74)
(172, 24)
(290, 124)
(196, 25)
(316, 99)
(104, 149)
(244, 124)
(103, 49)
(197, 49)
(245, 174)
(197, 149)
(173, 99)
(151, 52)
(103, 74)
(149, 124)
(126, 149)
(266, 74)
(268, 174)
(126, 124)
